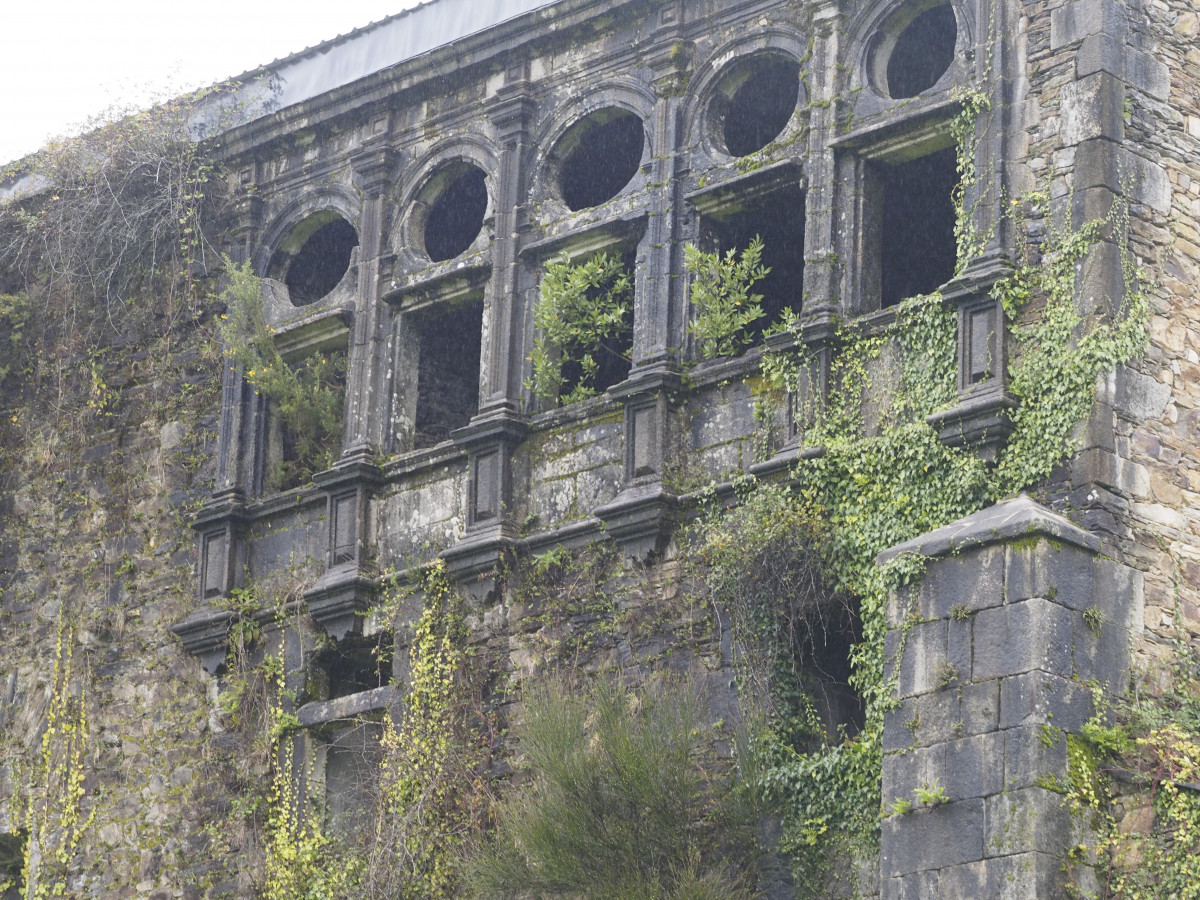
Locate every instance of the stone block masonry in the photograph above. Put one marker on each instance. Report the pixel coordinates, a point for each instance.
(994, 655)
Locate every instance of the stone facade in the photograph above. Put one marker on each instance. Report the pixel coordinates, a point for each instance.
(404, 216)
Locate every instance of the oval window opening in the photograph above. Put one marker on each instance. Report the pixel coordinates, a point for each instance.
(761, 106)
(456, 216)
(923, 52)
(606, 153)
(322, 259)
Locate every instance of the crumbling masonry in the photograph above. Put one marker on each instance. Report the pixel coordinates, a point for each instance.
(402, 214)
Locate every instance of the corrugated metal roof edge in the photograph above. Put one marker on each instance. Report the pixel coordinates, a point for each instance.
(323, 46)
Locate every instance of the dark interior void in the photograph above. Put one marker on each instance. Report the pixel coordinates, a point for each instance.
(456, 216)
(12, 860)
(321, 262)
(448, 375)
(922, 53)
(351, 668)
(613, 356)
(606, 155)
(761, 106)
(918, 252)
(824, 658)
(778, 218)
(352, 761)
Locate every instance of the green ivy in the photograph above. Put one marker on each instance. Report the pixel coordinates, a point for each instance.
(49, 807)
(882, 477)
(303, 862)
(433, 799)
(1153, 736)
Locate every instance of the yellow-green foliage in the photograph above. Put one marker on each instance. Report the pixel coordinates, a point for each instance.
(1155, 739)
(302, 861)
(49, 808)
(584, 314)
(433, 799)
(308, 395)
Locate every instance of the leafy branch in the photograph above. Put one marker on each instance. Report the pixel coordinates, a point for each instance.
(720, 294)
(584, 318)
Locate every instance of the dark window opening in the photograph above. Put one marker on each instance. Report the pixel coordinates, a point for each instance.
(12, 862)
(922, 53)
(824, 656)
(351, 668)
(352, 761)
(777, 218)
(604, 153)
(321, 261)
(613, 356)
(760, 107)
(456, 216)
(448, 373)
(917, 225)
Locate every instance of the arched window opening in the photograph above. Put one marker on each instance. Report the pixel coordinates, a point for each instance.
(600, 155)
(456, 214)
(755, 103)
(315, 257)
(910, 55)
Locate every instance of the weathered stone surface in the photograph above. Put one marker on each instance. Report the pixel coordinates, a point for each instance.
(1035, 698)
(925, 839)
(1104, 117)
(1082, 18)
(1021, 637)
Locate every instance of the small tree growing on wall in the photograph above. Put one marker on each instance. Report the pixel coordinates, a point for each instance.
(308, 395)
(726, 310)
(584, 318)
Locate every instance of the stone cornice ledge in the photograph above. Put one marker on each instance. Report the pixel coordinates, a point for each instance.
(1009, 520)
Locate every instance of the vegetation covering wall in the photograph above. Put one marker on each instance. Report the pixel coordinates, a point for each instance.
(729, 742)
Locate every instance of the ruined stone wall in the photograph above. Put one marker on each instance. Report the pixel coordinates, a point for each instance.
(1094, 103)
(98, 559)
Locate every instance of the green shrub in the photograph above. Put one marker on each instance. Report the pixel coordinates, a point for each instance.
(584, 318)
(720, 294)
(619, 807)
(308, 395)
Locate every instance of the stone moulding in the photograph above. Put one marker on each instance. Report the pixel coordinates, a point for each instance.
(205, 635)
(1009, 520)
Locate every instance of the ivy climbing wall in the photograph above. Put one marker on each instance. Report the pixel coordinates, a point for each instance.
(423, 407)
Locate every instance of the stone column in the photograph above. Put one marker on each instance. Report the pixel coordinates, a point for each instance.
(990, 652)
(367, 390)
(498, 429)
(821, 270)
(639, 517)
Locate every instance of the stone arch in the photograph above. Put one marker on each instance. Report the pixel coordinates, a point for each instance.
(422, 185)
(276, 236)
(880, 27)
(557, 135)
(711, 75)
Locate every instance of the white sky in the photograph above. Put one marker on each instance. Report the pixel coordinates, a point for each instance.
(62, 61)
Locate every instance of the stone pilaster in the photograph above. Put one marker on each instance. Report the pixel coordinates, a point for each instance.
(367, 388)
(345, 591)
